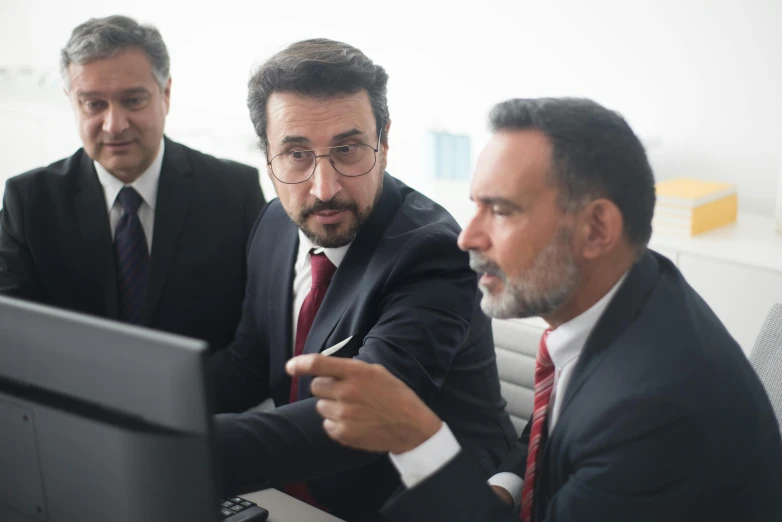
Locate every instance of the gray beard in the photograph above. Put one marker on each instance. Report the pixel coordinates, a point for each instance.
(544, 289)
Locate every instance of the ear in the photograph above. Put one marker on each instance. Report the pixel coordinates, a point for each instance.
(167, 95)
(66, 90)
(66, 85)
(275, 183)
(67, 94)
(600, 228)
(384, 146)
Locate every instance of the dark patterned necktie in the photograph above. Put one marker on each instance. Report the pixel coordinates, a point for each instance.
(132, 257)
(544, 384)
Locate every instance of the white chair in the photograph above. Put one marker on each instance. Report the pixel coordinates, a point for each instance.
(516, 345)
(766, 358)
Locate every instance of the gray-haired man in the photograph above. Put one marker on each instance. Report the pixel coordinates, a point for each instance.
(133, 226)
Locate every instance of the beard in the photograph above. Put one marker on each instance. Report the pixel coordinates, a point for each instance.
(331, 236)
(542, 290)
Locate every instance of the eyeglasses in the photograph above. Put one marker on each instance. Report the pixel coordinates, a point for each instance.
(351, 160)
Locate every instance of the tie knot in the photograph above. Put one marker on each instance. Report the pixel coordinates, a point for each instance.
(322, 269)
(129, 199)
(543, 356)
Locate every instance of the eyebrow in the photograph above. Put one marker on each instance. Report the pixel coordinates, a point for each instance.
(125, 92)
(336, 138)
(498, 201)
(348, 134)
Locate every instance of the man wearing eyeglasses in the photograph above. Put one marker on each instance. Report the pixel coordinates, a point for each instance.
(347, 262)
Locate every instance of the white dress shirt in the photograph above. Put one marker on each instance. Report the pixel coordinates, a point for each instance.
(302, 279)
(564, 345)
(146, 185)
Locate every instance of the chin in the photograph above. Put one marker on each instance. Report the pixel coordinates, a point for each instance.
(499, 305)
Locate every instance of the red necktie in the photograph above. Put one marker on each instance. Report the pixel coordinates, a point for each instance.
(322, 272)
(544, 384)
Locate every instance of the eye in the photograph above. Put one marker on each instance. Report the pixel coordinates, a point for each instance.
(499, 210)
(94, 105)
(298, 155)
(345, 150)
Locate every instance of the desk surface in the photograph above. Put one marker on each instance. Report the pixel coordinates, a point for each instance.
(284, 508)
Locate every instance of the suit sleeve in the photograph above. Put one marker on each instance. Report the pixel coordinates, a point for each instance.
(17, 271)
(254, 199)
(425, 316)
(458, 492)
(240, 374)
(422, 322)
(633, 465)
(516, 460)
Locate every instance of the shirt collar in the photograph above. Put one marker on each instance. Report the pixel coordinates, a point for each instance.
(566, 342)
(146, 184)
(335, 255)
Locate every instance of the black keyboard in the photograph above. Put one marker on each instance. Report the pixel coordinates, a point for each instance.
(240, 509)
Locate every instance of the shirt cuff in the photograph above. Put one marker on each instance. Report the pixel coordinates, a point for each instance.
(425, 460)
(511, 482)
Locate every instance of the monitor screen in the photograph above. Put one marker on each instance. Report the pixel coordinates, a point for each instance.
(101, 421)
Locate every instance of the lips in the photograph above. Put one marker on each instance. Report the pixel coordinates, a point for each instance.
(117, 144)
(487, 279)
(329, 217)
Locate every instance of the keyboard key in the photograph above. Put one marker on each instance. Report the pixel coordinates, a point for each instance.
(247, 503)
(227, 504)
(226, 512)
(236, 500)
(237, 508)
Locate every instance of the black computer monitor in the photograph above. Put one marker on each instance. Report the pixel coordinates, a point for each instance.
(101, 421)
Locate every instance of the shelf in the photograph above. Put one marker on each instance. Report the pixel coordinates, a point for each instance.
(751, 241)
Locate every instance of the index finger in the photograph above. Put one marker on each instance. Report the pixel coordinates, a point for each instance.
(322, 366)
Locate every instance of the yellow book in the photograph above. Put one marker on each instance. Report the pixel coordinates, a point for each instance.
(697, 220)
(690, 193)
(690, 207)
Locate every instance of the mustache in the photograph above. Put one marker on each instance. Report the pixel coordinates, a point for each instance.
(116, 139)
(320, 206)
(482, 265)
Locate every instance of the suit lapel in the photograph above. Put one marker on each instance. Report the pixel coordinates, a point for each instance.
(97, 249)
(279, 272)
(174, 193)
(348, 277)
(621, 312)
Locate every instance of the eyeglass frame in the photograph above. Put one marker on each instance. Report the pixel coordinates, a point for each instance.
(315, 164)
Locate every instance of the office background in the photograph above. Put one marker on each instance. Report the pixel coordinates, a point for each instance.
(699, 80)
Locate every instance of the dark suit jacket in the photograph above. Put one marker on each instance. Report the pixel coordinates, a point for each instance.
(56, 246)
(663, 420)
(406, 294)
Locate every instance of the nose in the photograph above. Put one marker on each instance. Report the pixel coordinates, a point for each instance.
(474, 236)
(115, 121)
(325, 180)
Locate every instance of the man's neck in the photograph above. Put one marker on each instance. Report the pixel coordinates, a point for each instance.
(596, 281)
(126, 177)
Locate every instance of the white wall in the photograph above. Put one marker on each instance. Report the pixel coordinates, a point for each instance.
(700, 81)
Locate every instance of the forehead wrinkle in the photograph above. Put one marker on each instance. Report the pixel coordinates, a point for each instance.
(305, 110)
